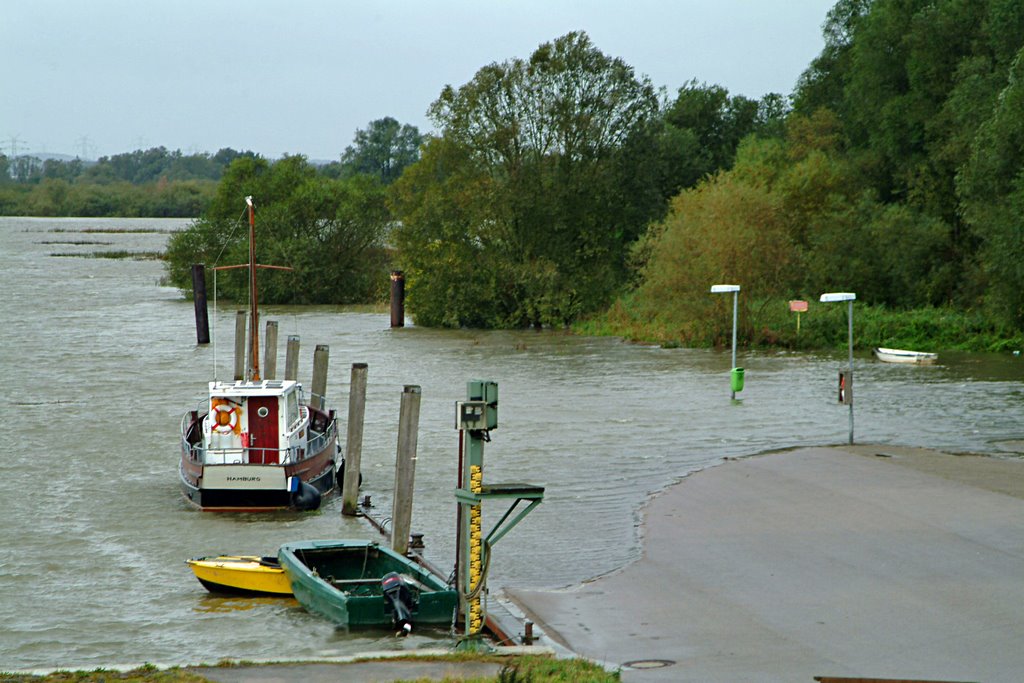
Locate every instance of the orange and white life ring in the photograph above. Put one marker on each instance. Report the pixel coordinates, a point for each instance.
(224, 417)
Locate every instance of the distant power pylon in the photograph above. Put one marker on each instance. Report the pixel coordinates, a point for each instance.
(14, 142)
(84, 144)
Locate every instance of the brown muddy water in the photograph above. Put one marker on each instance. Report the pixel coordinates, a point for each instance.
(100, 361)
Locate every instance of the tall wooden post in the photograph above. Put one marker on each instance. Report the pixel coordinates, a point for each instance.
(270, 351)
(397, 298)
(405, 469)
(291, 358)
(354, 439)
(318, 389)
(199, 299)
(240, 346)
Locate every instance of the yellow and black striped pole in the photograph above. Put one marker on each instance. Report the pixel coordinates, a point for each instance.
(474, 608)
(475, 418)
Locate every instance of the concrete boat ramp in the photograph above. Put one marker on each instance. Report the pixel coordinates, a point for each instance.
(841, 563)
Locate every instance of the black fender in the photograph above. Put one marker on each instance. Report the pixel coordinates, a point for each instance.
(306, 498)
(340, 477)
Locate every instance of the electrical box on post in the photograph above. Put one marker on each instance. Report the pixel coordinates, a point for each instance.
(486, 392)
(470, 415)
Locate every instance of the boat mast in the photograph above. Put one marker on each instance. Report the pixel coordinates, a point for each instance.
(254, 314)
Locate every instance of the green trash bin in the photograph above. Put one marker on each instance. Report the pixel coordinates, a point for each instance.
(737, 379)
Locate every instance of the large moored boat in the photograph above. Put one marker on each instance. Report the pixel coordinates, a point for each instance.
(258, 444)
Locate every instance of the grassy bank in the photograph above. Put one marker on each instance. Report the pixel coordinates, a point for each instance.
(770, 324)
(524, 669)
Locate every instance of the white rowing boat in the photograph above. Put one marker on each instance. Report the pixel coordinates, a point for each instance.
(904, 356)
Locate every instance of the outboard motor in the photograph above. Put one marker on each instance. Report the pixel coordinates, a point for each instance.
(306, 497)
(397, 592)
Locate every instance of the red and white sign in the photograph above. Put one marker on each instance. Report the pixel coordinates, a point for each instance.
(798, 306)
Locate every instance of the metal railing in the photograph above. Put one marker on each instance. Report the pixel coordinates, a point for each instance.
(254, 455)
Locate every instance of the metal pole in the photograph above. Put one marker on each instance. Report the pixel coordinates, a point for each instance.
(735, 304)
(849, 381)
(254, 308)
(472, 554)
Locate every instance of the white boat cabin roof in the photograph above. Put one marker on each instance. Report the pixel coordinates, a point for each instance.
(243, 388)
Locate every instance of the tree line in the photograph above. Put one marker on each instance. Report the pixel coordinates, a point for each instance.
(153, 182)
(162, 183)
(563, 187)
(522, 209)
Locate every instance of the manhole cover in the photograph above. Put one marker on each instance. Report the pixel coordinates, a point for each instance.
(648, 663)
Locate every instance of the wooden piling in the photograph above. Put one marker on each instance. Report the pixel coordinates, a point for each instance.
(291, 358)
(397, 298)
(405, 469)
(354, 439)
(199, 299)
(270, 351)
(240, 346)
(318, 389)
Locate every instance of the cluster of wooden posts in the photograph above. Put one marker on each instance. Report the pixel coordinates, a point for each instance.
(408, 424)
(401, 539)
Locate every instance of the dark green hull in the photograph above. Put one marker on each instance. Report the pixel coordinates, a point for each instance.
(341, 580)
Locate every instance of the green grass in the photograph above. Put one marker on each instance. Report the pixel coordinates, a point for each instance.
(523, 669)
(770, 324)
(143, 674)
(537, 669)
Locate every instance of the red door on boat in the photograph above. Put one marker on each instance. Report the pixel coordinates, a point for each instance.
(263, 437)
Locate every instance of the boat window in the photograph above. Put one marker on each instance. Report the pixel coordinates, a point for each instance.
(293, 408)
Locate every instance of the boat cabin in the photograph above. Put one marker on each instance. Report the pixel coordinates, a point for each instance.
(255, 422)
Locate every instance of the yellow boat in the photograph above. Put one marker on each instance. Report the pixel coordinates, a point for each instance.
(241, 575)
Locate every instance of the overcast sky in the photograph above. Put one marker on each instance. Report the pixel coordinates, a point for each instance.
(301, 76)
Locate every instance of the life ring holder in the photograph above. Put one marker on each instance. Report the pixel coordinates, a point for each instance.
(224, 418)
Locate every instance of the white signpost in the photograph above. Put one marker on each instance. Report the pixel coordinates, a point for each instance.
(848, 297)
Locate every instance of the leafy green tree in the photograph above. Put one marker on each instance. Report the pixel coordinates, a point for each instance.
(383, 150)
(992, 188)
(69, 171)
(523, 189)
(822, 85)
(332, 233)
(912, 82)
(717, 123)
(727, 229)
(26, 169)
(444, 236)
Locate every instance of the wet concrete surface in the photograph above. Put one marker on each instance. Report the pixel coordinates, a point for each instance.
(857, 561)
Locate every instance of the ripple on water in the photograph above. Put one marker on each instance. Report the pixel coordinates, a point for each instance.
(96, 533)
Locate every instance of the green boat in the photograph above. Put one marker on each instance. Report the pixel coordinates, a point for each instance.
(361, 583)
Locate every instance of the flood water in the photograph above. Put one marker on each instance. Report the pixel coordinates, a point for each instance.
(99, 362)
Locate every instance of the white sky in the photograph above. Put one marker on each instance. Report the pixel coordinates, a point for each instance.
(301, 76)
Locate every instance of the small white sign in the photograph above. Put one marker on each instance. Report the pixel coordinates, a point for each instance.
(838, 296)
(244, 477)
